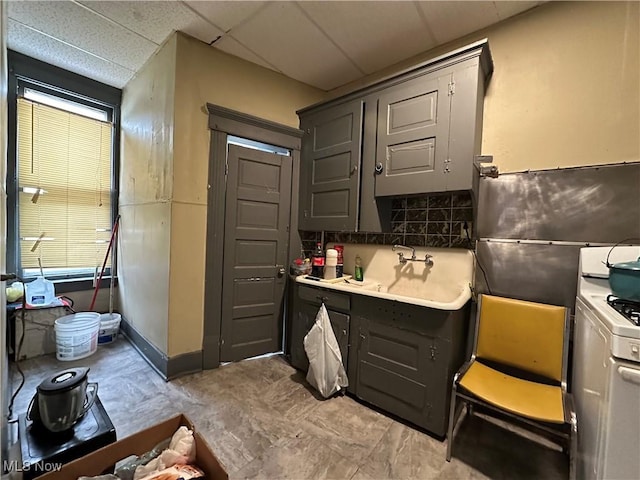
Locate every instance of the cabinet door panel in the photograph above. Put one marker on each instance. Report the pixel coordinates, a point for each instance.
(398, 371)
(413, 128)
(330, 179)
(303, 319)
(340, 326)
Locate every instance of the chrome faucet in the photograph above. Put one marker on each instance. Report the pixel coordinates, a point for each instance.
(428, 259)
(401, 258)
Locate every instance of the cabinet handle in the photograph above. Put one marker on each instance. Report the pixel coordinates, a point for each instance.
(379, 168)
(354, 169)
(322, 299)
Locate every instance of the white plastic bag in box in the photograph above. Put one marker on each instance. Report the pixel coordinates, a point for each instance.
(326, 371)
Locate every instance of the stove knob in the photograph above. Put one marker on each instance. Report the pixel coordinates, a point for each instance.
(635, 317)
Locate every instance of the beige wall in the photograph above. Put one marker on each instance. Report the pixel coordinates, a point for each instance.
(82, 300)
(146, 180)
(206, 75)
(566, 87)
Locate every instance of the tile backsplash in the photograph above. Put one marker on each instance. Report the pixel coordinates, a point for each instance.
(417, 221)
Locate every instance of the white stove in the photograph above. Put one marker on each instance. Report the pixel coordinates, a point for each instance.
(606, 373)
(625, 336)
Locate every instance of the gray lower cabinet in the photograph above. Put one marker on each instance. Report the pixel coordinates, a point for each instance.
(306, 303)
(399, 357)
(403, 358)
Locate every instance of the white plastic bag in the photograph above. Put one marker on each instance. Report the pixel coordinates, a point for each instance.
(182, 450)
(326, 372)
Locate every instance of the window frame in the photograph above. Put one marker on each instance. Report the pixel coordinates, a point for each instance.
(24, 71)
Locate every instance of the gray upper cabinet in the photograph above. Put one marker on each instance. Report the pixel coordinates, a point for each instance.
(413, 136)
(330, 176)
(415, 132)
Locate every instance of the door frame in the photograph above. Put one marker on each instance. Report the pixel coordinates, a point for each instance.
(222, 123)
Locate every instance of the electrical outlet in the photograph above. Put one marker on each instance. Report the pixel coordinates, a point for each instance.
(463, 233)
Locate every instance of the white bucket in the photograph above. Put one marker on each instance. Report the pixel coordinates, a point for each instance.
(109, 327)
(77, 335)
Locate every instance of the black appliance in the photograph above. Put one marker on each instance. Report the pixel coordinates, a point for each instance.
(41, 448)
(627, 308)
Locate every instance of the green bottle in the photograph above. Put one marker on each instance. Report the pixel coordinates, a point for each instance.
(358, 272)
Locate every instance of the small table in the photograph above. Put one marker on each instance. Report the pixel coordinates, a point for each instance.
(39, 335)
(41, 448)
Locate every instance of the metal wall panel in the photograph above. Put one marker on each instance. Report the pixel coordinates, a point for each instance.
(535, 211)
(590, 204)
(534, 272)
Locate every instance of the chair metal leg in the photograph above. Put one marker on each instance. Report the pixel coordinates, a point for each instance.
(452, 418)
(470, 409)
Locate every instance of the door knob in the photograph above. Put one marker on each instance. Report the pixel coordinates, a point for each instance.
(379, 168)
(281, 271)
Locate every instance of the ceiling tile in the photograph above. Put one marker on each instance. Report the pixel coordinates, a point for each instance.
(450, 20)
(156, 20)
(287, 39)
(373, 34)
(73, 24)
(231, 46)
(225, 14)
(34, 44)
(508, 9)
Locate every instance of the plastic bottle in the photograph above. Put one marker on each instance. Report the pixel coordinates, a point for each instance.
(358, 274)
(331, 263)
(40, 292)
(340, 262)
(317, 261)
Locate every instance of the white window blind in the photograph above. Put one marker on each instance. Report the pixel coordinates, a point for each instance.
(64, 180)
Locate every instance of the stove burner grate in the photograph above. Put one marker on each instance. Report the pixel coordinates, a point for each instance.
(627, 308)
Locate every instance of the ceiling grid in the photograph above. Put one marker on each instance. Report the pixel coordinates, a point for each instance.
(322, 43)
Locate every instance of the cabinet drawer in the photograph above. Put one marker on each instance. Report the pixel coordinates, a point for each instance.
(332, 300)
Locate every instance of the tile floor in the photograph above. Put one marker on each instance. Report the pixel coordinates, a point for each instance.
(263, 421)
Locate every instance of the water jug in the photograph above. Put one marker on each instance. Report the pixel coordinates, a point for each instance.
(40, 292)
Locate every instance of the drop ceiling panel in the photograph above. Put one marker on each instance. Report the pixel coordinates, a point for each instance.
(225, 14)
(73, 24)
(230, 45)
(450, 20)
(34, 44)
(287, 39)
(156, 20)
(509, 9)
(373, 34)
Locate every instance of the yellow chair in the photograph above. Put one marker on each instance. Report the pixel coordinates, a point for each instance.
(518, 370)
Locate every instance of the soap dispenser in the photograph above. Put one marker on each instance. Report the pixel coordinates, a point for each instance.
(358, 274)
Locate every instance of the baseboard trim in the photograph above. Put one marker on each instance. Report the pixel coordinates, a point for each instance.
(167, 368)
(184, 364)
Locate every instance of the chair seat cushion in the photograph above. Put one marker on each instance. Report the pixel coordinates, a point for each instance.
(522, 397)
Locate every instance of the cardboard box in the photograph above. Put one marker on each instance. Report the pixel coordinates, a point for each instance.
(97, 462)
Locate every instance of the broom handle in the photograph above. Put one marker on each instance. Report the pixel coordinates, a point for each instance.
(104, 264)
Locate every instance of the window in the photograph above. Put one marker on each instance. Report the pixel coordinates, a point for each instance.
(64, 185)
(63, 178)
